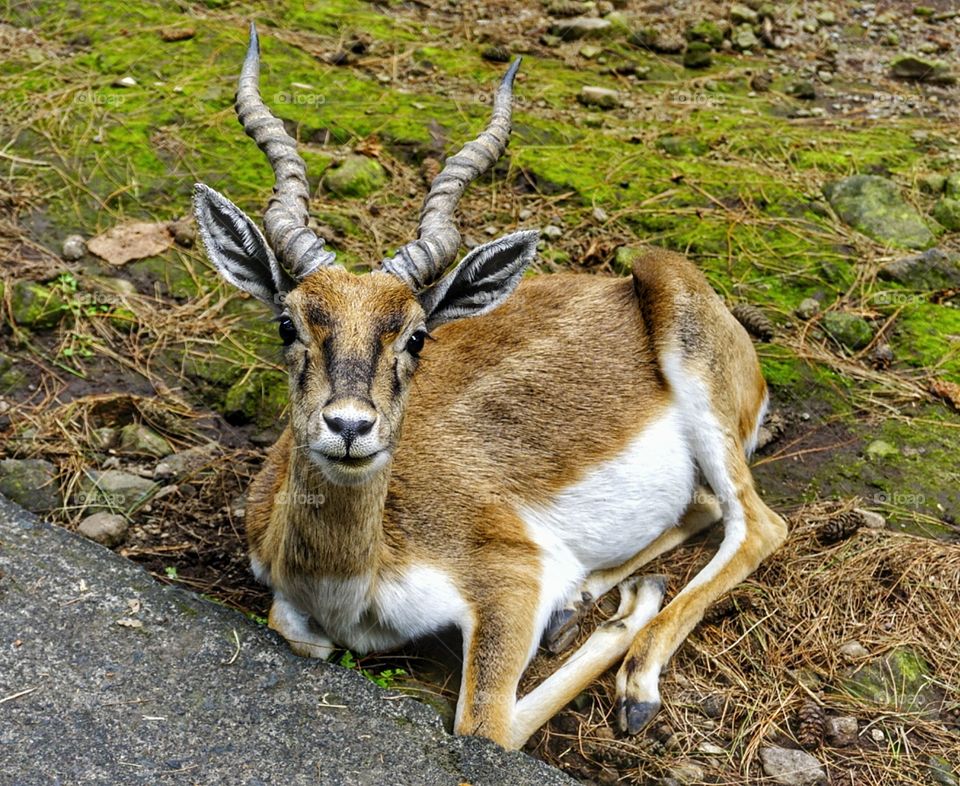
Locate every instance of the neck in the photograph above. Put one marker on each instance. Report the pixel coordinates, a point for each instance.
(335, 530)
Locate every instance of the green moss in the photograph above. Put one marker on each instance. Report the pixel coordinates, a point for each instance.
(259, 397)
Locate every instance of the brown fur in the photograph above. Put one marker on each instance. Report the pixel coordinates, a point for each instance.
(502, 410)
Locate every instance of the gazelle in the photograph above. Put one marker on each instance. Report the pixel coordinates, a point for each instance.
(497, 473)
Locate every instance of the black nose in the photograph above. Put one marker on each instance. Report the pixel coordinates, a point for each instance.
(349, 428)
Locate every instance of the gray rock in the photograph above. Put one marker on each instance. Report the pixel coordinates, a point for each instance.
(827, 18)
(660, 41)
(197, 688)
(744, 38)
(947, 213)
(31, 483)
(921, 69)
(742, 14)
(74, 247)
(697, 55)
(942, 772)
(356, 176)
(842, 731)
(11, 377)
(872, 519)
(932, 270)
(599, 96)
(853, 650)
(36, 306)
(112, 490)
(900, 680)
(873, 205)
(107, 529)
(581, 27)
(951, 187)
(139, 440)
(686, 772)
(552, 231)
(185, 462)
(932, 183)
(808, 308)
(791, 767)
(847, 329)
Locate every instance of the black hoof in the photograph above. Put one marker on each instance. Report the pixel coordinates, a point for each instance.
(634, 715)
(562, 630)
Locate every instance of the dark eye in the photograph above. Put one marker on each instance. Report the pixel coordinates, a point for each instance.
(288, 332)
(415, 342)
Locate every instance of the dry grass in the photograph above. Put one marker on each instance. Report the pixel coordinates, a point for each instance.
(742, 676)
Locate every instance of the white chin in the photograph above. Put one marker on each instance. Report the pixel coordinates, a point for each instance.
(341, 473)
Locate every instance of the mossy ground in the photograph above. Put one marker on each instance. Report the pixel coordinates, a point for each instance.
(82, 153)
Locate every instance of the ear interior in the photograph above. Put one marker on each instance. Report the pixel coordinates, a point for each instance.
(482, 280)
(238, 249)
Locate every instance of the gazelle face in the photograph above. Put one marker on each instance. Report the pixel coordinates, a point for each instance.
(351, 345)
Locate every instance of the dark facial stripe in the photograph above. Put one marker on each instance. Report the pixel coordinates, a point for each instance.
(302, 378)
(316, 315)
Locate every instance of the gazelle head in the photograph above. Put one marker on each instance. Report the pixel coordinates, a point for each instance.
(352, 343)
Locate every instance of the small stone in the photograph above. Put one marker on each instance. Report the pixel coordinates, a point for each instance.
(849, 330)
(934, 269)
(112, 490)
(552, 231)
(127, 81)
(599, 96)
(919, 69)
(942, 772)
(589, 51)
(872, 519)
(808, 308)
(496, 54)
(825, 76)
(74, 247)
(581, 27)
(184, 232)
(356, 176)
(842, 731)
(932, 183)
(827, 18)
(874, 205)
(877, 735)
(707, 31)
(711, 749)
(792, 767)
(185, 462)
(881, 356)
(947, 213)
(881, 449)
(525, 214)
(952, 185)
(36, 306)
(810, 26)
(742, 14)
(698, 55)
(853, 650)
(139, 440)
(745, 39)
(107, 529)
(600, 215)
(686, 772)
(31, 483)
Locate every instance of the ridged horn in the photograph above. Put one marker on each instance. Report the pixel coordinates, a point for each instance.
(286, 217)
(420, 263)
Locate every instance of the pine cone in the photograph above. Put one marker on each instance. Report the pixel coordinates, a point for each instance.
(754, 320)
(840, 527)
(810, 726)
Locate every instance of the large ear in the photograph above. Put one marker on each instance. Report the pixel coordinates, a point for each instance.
(482, 281)
(238, 249)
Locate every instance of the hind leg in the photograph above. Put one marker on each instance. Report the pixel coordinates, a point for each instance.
(564, 625)
(752, 532)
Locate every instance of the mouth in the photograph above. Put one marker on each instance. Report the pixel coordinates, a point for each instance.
(347, 462)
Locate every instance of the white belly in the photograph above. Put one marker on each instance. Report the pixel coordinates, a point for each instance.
(615, 510)
(365, 615)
